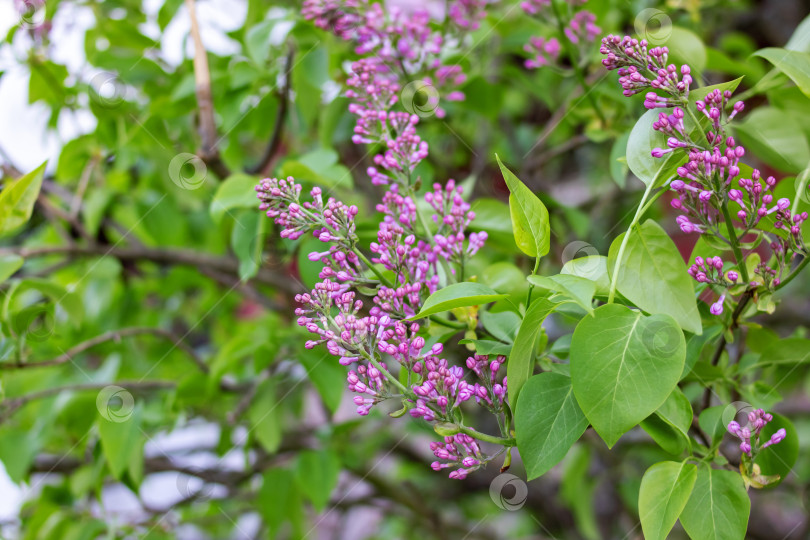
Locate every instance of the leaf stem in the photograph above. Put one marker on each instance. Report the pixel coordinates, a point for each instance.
(639, 212)
(735, 243)
(505, 441)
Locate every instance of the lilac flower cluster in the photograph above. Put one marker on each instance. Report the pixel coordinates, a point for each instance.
(750, 436)
(640, 69)
(361, 309)
(712, 176)
(401, 41)
(543, 51)
(579, 30)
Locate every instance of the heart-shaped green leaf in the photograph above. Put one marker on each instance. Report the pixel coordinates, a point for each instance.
(548, 421)
(665, 490)
(623, 366)
(458, 295)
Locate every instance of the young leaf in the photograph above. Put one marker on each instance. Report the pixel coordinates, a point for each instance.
(794, 64)
(488, 346)
(521, 361)
(120, 436)
(458, 295)
(623, 366)
(578, 289)
(17, 200)
(592, 267)
(718, 508)
(317, 475)
(8, 265)
(548, 421)
(264, 421)
(237, 191)
(643, 138)
(529, 216)
(776, 136)
(665, 490)
(653, 275)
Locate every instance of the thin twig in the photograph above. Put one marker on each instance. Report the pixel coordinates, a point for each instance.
(281, 117)
(176, 256)
(205, 104)
(84, 181)
(115, 335)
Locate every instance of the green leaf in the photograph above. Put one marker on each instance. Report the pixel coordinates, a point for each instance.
(686, 47)
(623, 366)
(618, 160)
(18, 448)
(664, 435)
(800, 40)
(653, 275)
(488, 346)
(677, 412)
(775, 136)
(247, 242)
(263, 415)
(529, 216)
(458, 295)
(279, 499)
(317, 475)
(791, 351)
(794, 64)
(521, 360)
(237, 191)
(718, 508)
(17, 200)
(318, 167)
(665, 490)
(503, 325)
(119, 428)
(548, 421)
(643, 138)
(578, 289)
(592, 267)
(8, 265)
(326, 375)
(69, 301)
(577, 488)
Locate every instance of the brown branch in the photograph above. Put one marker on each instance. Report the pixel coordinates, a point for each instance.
(281, 116)
(175, 256)
(202, 77)
(84, 181)
(11, 405)
(721, 345)
(115, 335)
